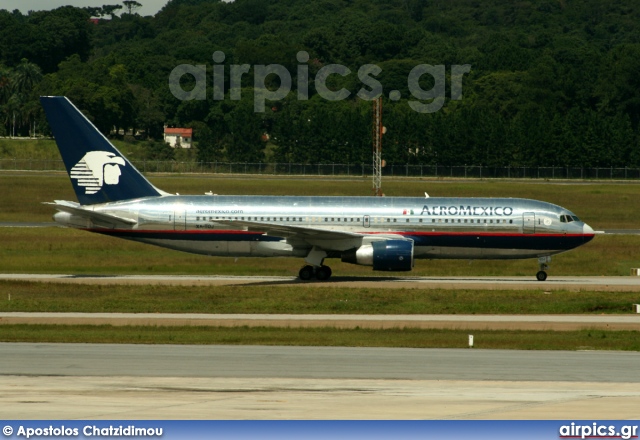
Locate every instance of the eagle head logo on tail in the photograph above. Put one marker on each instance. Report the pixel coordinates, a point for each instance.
(96, 169)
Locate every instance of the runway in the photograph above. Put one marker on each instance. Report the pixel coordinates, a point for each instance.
(573, 283)
(220, 361)
(233, 382)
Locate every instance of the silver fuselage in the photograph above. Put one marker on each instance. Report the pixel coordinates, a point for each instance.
(465, 228)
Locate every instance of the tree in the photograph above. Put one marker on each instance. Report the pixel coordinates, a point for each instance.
(110, 10)
(131, 6)
(619, 88)
(26, 76)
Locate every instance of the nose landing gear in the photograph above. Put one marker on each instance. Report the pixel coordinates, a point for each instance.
(543, 262)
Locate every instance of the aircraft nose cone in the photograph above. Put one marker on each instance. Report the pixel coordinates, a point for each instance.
(587, 232)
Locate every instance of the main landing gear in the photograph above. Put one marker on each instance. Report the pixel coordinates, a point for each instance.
(321, 273)
(315, 268)
(543, 262)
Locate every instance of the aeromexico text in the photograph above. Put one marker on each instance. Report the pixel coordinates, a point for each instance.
(498, 211)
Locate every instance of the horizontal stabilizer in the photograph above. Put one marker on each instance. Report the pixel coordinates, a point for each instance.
(99, 217)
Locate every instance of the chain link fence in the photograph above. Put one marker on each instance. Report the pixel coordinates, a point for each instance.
(353, 170)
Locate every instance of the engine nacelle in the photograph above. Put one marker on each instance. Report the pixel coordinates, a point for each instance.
(388, 255)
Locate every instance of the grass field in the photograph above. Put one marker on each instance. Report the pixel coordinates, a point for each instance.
(540, 340)
(21, 296)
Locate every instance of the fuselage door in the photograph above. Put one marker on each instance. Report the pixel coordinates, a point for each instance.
(366, 221)
(528, 223)
(179, 220)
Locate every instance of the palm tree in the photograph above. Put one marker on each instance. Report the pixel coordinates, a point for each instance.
(26, 76)
(22, 107)
(5, 94)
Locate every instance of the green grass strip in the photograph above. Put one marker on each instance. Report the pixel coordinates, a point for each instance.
(24, 296)
(522, 340)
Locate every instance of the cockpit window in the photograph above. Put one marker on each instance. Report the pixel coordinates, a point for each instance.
(568, 218)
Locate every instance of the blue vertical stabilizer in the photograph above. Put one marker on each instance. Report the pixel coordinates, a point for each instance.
(98, 171)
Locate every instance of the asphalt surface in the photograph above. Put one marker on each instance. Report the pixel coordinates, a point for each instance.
(316, 362)
(126, 382)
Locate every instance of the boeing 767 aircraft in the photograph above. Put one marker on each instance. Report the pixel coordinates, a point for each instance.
(387, 233)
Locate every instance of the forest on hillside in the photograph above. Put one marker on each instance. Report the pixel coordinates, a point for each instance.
(550, 82)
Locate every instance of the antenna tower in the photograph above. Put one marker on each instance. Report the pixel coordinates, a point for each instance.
(378, 131)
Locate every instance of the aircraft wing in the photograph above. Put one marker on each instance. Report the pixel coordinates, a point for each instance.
(328, 239)
(100, 217)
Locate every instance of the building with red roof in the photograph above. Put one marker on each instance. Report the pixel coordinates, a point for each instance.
(178, 137)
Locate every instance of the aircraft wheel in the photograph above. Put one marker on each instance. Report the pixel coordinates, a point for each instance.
(541, 276)
(306, 273)
(323, 273)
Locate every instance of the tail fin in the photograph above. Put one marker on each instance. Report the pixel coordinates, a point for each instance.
(99, 172)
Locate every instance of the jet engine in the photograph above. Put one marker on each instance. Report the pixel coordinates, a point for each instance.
(388, 255)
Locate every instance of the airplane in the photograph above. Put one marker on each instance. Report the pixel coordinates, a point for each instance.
(386, 233)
